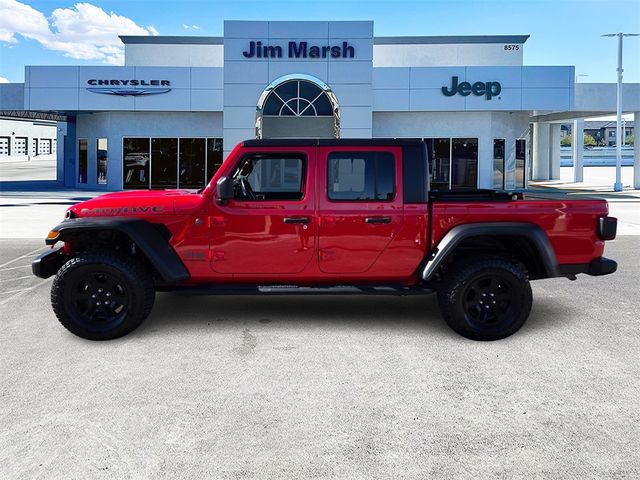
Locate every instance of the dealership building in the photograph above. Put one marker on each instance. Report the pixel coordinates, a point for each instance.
(179, 105)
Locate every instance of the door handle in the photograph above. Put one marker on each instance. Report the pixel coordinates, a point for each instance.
(377, 220)
(296, 220)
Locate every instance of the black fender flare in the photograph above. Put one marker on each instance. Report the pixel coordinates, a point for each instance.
(457, 234)
(151, 239)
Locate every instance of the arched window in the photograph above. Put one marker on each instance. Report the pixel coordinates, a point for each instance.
(298, 107)
(297, 98)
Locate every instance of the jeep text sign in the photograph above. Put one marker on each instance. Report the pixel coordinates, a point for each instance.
(488, 89)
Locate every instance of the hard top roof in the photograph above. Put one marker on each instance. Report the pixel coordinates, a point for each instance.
(331, 142)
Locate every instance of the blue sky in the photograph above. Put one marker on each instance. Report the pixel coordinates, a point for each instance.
(563, 32)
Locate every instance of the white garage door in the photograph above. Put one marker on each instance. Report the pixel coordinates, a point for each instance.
(44, 146)
(20, 146)
(4, 145)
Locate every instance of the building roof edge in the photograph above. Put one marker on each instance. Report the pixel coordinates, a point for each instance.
(415, 40)
(450, 39)
(171, 39)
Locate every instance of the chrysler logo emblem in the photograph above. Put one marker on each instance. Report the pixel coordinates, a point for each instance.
(129, 92)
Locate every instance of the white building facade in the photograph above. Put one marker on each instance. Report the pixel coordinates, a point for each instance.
(179, 105)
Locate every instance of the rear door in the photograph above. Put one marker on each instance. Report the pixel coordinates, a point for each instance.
(360, 206)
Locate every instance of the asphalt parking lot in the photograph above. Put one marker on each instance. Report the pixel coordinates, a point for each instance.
(323, 387)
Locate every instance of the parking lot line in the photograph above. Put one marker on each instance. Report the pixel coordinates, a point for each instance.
(15, 268)
(14, 279)
(21, 257)
(20, 292)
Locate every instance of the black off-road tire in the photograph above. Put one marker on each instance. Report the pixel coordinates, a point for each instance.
(485, 298)
(102, 295)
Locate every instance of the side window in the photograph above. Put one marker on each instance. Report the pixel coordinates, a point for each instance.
(361, 176)
(270, 177)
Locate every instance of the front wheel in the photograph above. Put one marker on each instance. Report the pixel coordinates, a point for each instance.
(102, 295)
(485, 298)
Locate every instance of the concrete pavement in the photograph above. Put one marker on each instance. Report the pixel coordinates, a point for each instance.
(331, 387)
(597, 181)
(315, 387)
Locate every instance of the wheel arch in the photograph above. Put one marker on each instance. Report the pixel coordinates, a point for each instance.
(525, 241)
(152, 240)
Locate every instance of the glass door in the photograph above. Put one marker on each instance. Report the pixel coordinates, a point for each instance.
(464, 163)
(498, 163)
(521, 149)
(135, 157)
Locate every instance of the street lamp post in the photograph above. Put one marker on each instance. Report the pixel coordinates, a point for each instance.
(617, 187)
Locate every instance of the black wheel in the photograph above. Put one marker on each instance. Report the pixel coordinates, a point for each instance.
(102, 295)
(486, 298)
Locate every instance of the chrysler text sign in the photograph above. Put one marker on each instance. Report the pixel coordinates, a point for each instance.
(128, 87)
(488, 89)
(299, 50)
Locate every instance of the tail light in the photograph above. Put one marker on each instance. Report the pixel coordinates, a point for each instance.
(607, 227)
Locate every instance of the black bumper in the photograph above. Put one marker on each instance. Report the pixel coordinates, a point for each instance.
(48, 263)
(597, 267)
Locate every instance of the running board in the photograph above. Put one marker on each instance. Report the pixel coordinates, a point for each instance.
(298, 290)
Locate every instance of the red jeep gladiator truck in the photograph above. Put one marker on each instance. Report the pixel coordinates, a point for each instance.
(320, 217)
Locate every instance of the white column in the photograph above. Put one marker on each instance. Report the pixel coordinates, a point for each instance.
(554, 151)
(577, 150)
(636, 151)
(541, 134)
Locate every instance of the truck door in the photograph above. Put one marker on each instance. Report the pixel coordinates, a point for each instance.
(360, 206)
(269, 226)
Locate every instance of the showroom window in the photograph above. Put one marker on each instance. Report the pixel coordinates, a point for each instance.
(439, 161)
(82, 160)
(361, 176)
(162, 162)
(136, 154)
(498, 163)
(101, 161)
(192, 162)
(453, 162)
(521, 151)
(214, 157)
(464, 163)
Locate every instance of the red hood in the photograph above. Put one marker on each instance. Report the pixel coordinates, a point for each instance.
(130, 203)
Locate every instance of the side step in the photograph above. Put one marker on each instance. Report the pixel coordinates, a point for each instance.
(396, 290)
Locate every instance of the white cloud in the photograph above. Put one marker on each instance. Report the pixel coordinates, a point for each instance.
(190, 27)
(85, 32)
(4, 80)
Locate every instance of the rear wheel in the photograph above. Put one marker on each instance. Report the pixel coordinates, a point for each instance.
(102, 295)
(486, 298)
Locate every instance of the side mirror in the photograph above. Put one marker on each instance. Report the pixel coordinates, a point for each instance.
(224, 189)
